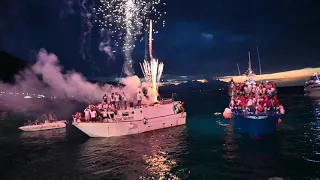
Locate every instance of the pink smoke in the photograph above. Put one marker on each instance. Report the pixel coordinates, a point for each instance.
(71, 85)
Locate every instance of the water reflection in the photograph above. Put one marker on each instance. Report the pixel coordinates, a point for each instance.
(40, 137)
(158, 163)
(143, 156)
(312, 134)
(245, 157)
(230, 146)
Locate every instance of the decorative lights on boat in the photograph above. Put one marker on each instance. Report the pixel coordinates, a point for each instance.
(27, 97)
(40, 96)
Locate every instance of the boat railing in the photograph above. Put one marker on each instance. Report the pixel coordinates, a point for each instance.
(245, 113)
(166, 100)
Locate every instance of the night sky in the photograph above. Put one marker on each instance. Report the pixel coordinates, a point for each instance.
(203, 37)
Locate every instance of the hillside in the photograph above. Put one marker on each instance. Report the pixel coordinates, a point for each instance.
(9, 66)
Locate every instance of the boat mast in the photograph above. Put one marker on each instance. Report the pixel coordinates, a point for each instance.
(250, 72)
(316, 75)
(259, 59)
(238, 69)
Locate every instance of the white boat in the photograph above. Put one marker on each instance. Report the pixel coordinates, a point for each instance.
(133, 121)
(312, 86)
(45, 126)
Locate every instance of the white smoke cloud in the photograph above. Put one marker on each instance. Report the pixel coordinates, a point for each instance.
(71, 85)
(105, 43)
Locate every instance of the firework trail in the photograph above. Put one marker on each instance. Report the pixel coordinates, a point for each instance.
(152, 70)
(150, 39)
(86, 30)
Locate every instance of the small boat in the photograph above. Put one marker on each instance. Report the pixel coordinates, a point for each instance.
(312, 86)
(47, 125)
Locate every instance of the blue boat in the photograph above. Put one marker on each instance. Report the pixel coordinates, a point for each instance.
(256, 125)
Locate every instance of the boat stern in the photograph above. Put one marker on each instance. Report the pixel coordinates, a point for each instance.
(256, 126)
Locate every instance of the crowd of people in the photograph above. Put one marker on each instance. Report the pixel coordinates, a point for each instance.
(100, 112)
(250, 97)
(50, 118)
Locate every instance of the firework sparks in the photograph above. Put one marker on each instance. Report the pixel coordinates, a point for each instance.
(152, 70)
(126, 20)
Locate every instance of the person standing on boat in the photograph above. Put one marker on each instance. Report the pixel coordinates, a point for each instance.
(117, 100)
(139, 98)
(44, 118)
(124, 100)
(105, 115)
(93, 115)
(50, 118)
(112, 99)
(105, 98)
(105, 105)
(87, 114)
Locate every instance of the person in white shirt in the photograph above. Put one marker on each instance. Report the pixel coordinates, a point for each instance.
(117, 100)
(93, 115)
(87, 114)
(250, 105)
(124, 100)
(139, 98)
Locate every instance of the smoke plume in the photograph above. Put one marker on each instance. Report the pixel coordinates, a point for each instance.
(46, 77)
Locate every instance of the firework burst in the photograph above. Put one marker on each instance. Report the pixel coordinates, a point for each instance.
(152, 70)
(125, 20)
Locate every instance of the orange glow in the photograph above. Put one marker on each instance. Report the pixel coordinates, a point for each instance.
(202, 80)
(280, 77)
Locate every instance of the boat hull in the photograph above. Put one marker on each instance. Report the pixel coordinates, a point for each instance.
(314, 93)
(111, 129)
(257, 126)
(42, 127)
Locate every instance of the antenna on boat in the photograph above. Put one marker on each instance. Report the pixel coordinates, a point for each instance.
(238, 69)
(259, 58)
(249, 60)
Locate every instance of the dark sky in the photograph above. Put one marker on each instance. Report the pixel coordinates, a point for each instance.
(203, 37)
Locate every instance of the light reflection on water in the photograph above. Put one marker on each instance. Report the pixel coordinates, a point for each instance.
(152, 154)
(206, 148)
